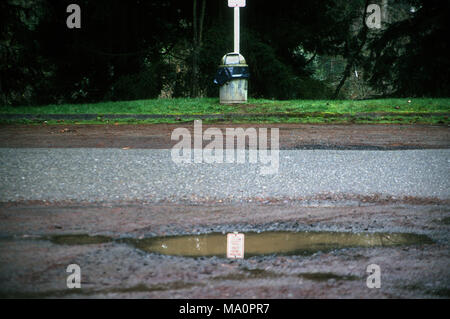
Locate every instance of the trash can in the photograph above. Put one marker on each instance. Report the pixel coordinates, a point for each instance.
(232, 76)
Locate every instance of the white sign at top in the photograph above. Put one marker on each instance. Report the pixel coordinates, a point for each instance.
(236, 3)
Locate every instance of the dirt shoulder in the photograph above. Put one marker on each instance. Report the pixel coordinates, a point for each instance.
(292, 136)
(168, 219)
(35, 268)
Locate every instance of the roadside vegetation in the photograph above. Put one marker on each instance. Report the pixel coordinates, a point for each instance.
(197, 106)
(424, 110)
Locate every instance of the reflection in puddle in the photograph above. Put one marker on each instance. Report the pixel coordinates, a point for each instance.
(268, 243)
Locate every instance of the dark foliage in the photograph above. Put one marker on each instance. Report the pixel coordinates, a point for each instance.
(411, 58)
(134, 49)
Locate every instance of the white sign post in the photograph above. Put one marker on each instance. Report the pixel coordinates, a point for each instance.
(236, 4)
(235, 246)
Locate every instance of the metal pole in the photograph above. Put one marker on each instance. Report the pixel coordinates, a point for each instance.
(236, 29)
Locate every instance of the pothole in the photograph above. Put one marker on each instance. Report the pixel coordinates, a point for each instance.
(79, 239)
(274, 243)
(256, 244)
(325, 276)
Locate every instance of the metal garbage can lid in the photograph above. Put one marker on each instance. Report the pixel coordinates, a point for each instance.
(233, 59)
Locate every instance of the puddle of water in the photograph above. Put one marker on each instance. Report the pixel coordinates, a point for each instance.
(325, 276)
(79, 240)
(268, 243)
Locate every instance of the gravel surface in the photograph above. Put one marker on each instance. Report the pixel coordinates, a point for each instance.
(150, 175)
(35, 268)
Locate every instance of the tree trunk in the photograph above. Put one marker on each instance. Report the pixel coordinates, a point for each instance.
(194, 52)
(197, 24)
(384, 11)
(354, 55)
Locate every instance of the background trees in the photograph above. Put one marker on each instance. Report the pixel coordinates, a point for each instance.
(411, 56)
(136, 49)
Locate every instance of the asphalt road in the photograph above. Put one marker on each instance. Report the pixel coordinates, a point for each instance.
(151, 175)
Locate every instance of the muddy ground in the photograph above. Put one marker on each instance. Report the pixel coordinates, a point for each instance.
(32, 266)
(292, 136)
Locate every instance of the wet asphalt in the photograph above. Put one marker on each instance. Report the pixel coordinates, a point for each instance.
(94, 175)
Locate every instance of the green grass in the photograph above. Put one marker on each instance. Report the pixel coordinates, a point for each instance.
(212, 106)
(157, 106)
(434, 120)
(365, 106)
(295, 111)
